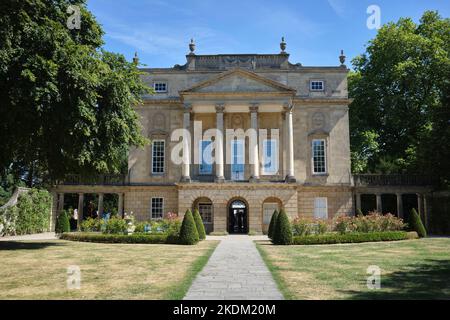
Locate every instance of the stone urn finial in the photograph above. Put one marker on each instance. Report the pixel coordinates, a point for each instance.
(342, 58)
(192, 47)
(135, 58)
(283, 45)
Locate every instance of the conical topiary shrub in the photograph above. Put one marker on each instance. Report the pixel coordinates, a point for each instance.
(272, 224)
(199, 224)
(415, 224)
(283, 231)
(62, 223)
(188, 231)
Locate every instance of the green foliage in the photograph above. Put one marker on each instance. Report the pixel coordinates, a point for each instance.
(66, 105)
(30, 215)
(115, 226)
(91, 225)
(373, 222)
(188, 232)
(199, 225)
(62, 223)
(304, 226)
(33, 212)
(116, 238)
(333, 238)
(415, 224)
(401, 108)
(283, 231)
(272, 224)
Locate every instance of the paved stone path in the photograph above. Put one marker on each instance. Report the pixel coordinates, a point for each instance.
(235, 271)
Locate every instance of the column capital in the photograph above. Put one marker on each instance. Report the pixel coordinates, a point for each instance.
(288, 107)
(220, 107)
(187, 107)
(254, 107)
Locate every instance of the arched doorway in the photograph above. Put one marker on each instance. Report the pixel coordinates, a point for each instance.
(237, 217)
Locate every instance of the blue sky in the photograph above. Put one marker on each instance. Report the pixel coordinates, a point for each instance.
(315, 30)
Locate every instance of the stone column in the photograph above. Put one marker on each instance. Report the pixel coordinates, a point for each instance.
(220, 177)
(399, 206)
(419, 205)
(54, 212)
(186, 174)
(290, 143)
(379, 203)
(80, 210)
(60, 203)
(425, 211)
(358, 202)
(100, 204)
(120, 205)
(254, 148)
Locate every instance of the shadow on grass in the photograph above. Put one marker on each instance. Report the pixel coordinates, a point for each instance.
(15, 245)
(429, 280)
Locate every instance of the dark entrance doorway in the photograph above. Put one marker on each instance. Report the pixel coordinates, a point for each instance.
(237, 218)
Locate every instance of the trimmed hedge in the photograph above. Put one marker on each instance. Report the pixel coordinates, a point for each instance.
(118, 238)
(273, 221)
(282, 235)
(62, 223)
(415, 224)
(354, 237)
(199, 224)
(188, 232)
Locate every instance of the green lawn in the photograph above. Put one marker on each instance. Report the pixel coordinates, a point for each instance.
(38, 270)
(414, 269)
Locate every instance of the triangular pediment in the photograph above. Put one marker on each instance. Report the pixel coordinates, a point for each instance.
(238, 81)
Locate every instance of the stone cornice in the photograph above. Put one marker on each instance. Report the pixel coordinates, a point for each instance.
(322, 101)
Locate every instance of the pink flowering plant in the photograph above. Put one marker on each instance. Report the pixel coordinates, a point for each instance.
(373, 222)
(303, 226)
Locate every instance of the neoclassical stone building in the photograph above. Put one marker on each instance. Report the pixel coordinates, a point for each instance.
(304, 167)
(309, 106)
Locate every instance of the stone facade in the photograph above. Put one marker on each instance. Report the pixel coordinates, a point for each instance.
(238, 83)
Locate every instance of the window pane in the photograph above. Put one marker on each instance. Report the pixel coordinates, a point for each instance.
(157, 208)
(158, 149)
(205, 210)
(319, 156)
(320, 208)
(237, 160)
(270, 153)
(268, 209)
(205, 150)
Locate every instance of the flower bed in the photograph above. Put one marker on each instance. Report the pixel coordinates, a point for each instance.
(354, 237)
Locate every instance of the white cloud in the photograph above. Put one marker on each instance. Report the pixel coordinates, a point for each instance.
(338, 7)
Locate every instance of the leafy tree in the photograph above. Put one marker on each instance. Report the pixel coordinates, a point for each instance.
(415, 224)
(188, 231)
(283, 230)
(66, 105)
(272, 224)
(399, 119)
(199, 225)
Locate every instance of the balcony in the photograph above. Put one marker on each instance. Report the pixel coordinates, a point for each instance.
(394, 180)
(95, 180)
